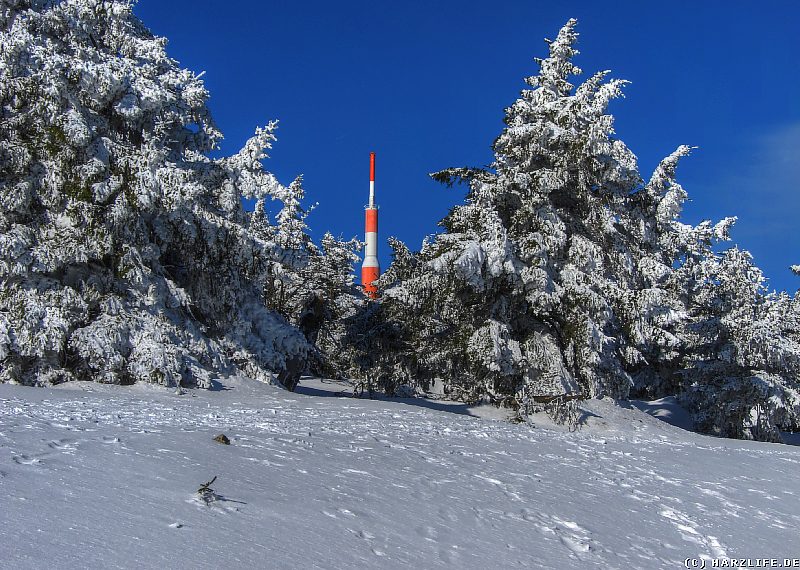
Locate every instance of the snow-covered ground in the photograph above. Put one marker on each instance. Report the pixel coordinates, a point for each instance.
(96, 476)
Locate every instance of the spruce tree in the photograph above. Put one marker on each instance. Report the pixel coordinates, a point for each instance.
(125, 253)
(564, 273)
(522, 296)
(310, 285)
(742, 362)
(336, 299)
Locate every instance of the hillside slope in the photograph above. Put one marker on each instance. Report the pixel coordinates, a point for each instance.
(99, 476)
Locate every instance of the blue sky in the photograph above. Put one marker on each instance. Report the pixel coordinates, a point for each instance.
(424, 85)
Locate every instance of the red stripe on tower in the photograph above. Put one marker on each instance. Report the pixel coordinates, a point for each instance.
(371, 221)
(370, 269)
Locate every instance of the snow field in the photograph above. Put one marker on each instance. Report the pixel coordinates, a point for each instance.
(98, 476)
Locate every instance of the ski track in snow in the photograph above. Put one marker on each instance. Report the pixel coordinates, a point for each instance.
(106, 477)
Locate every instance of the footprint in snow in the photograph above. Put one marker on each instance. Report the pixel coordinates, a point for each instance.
(447, 514)
(505, 488)
(63, 445)
(367, 537)
(26, 460)
(573, 536)
(688, 530)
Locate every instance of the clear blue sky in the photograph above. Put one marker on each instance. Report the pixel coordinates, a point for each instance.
(424, 84)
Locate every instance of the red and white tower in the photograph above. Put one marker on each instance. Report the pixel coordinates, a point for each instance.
(370, 269)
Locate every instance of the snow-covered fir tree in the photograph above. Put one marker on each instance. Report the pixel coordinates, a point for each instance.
(311, 286)
(527, 294)
(730, 348)
(337, 298)
(668, 254)
(564, 273)
(509, 302)
(376, 348)
(742, 361)
(125, 254)
(292, 247)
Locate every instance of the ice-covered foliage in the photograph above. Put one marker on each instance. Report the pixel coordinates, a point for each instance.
(125, 254)
(566, 274)
(337, 298)
(668, 253)
(312, 286)
(732, 350)
(534, 289)
(743, 356)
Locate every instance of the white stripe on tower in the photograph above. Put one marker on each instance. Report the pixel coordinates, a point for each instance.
(372, 180)
(370, 269)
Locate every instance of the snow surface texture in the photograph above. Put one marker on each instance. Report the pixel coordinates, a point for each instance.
(98, 476)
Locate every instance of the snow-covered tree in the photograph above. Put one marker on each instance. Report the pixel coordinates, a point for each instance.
(311, 286)
(531, 291)
(668, 253)
(742, 372)
(375, 347)
(729, 349)
(125, 254)
(337, 298)
(564, 273)
(291, 247)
